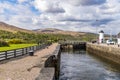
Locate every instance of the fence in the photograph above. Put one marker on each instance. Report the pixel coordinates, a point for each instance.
(19, 52)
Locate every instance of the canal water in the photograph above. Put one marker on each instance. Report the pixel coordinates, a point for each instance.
(80, 65)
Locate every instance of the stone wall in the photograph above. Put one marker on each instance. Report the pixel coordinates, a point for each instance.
(108, 52)
(51, 68)
(81, 45)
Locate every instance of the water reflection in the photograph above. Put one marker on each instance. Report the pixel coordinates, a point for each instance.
(78, 65)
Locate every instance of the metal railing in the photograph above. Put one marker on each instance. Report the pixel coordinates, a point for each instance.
(4, 55)
(71, 42)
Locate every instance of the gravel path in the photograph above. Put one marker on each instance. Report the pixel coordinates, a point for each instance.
(26, 68)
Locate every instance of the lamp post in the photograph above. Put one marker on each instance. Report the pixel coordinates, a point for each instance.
(110, 34)
(96, 31)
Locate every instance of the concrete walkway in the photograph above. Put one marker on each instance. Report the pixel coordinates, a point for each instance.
(26, 68)
(115, 46)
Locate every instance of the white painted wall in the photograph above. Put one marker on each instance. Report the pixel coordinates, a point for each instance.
(101, 37)
(118, 40)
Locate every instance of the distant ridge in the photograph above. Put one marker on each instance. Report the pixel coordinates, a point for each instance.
(11, 28)
(48, 30)
(58, 31)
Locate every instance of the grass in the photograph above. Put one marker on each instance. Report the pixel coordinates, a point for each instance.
(15, 46)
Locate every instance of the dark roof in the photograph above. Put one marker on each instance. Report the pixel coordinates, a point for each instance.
(101, 31)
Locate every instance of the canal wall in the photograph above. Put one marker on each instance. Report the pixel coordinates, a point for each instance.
(107, 52)
(73, 45)
(51, 68)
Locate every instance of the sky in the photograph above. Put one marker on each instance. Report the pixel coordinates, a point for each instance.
(73, 15)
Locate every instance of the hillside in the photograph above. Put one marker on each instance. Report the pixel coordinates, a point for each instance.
(48, 32)
(58, 31)
(11, 28)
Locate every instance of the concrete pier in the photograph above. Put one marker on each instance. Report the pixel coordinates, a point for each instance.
(111, 52)
(31, 67)
(51, 68)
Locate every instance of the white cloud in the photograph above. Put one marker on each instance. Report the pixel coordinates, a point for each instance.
(17, 14)
(80, 12)
(48, 6)
(77, 15)
(21, 1)
(85, 2)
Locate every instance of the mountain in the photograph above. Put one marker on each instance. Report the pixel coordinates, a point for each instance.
(58, 31)
(11, 28)
(48, 30)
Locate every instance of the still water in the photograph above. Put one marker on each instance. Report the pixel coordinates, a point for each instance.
(79, 65)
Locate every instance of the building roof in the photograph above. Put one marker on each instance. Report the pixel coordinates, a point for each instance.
(101, 31)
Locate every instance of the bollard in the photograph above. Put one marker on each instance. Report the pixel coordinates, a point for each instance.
(31, 53)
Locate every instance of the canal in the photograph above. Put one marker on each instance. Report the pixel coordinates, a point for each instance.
(80, 65)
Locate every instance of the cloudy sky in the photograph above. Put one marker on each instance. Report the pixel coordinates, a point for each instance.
(73, 15)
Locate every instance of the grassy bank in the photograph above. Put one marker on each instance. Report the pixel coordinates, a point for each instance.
(16, 46)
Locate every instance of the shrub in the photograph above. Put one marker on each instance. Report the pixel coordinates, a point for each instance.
(3, 43)
(16, 41)
(49, 42)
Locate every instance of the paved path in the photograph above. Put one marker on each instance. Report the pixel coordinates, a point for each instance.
(26, 68)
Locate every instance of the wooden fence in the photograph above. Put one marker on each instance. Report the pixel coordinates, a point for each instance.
(19, 52)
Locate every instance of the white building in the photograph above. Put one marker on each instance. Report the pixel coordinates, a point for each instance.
(118, 40)
(101, 36)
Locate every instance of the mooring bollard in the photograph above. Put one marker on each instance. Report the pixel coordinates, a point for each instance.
(31, 52)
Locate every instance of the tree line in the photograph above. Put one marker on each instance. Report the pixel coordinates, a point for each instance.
(22, 37)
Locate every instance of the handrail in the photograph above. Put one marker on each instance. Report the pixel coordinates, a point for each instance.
(19, 52)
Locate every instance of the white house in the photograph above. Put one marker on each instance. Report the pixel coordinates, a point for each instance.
(101, 36)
